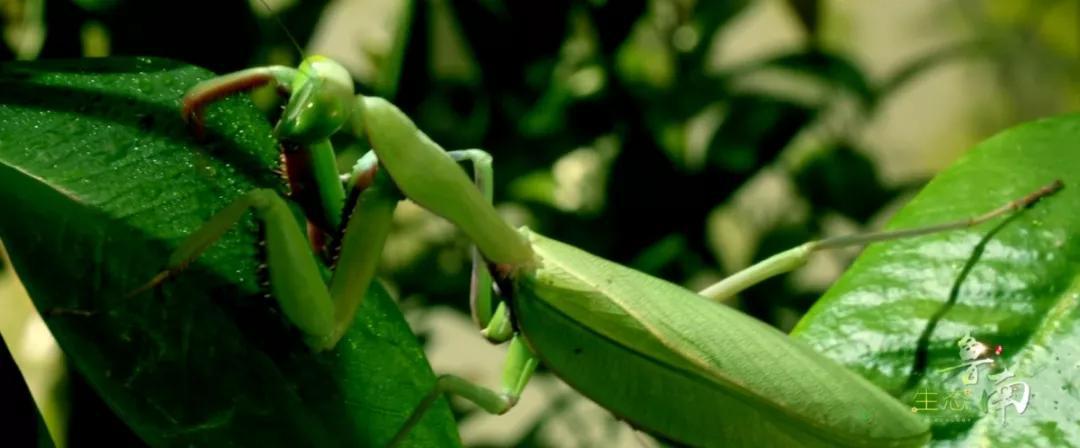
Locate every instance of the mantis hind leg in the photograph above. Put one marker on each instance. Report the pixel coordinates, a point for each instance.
(517, 371)
(796, 257)
(295, 279)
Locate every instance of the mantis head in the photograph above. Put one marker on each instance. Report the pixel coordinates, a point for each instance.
(321, 101)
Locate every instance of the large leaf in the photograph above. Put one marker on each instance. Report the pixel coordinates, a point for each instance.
(99, 180)
(1014, 282)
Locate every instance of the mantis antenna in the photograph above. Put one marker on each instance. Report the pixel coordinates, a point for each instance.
(284, 28)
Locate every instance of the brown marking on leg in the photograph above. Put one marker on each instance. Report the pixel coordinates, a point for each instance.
(365, 179)
(360, 183)
(197, 99)
(317, 237)
(297, 162)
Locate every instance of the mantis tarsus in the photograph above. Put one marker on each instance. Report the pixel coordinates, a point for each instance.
(689, 370)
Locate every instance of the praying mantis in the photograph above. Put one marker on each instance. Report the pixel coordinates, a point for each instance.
(666, 360)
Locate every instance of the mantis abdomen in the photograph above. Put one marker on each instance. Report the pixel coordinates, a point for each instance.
(670, 362)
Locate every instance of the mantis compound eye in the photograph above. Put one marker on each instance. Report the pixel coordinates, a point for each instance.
(321, 101)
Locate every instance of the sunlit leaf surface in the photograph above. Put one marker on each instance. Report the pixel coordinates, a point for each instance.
(898, 315)
(100, 179)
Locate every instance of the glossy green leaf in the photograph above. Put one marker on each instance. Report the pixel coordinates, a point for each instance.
(1013, 283)
(99, 179)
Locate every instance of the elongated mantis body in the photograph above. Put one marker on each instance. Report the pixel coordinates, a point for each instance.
(656, 355)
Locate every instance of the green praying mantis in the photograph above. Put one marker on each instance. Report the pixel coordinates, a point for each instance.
(666, 360)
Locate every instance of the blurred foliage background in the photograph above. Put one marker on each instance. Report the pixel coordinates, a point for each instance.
(684, 138)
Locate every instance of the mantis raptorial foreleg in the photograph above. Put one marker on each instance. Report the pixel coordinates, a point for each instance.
(295, 279)
(309, 158)
(320, 103)
(220, 87)
(323, 313)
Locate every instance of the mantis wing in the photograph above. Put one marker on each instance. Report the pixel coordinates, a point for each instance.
(672, 363)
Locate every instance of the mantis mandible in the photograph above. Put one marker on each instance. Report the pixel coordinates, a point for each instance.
(689, 370)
